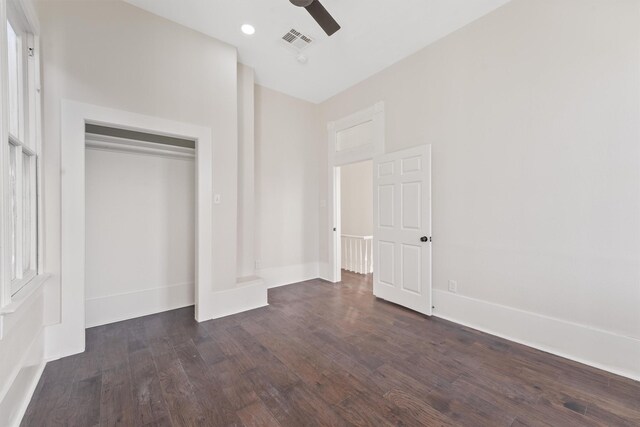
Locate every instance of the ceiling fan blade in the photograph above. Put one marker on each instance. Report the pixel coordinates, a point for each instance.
(322, 17)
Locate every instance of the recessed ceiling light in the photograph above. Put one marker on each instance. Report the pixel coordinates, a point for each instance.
(248, 29)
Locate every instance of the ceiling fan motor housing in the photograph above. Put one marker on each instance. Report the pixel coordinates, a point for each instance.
(301, 3)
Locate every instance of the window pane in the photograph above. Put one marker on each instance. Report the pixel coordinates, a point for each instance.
(26, 208)
(14, 81)
(13, 218)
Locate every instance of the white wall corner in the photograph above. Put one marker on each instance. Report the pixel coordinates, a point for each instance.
(246, 172)
(247, 295)
(594, 347)
(324, 271)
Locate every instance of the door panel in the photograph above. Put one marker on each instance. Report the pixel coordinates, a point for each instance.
(386, 271)
(411, 268)
(411, 205)
(385, 208)
(402, 216)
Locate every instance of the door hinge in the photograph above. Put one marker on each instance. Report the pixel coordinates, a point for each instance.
(31, 52)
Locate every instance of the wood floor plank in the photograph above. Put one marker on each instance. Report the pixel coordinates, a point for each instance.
(321, 354)
(257, 415)
(149, 405)
(177, 392)
(116, 400)
(84, 404)
(369, 409)
(207, 391)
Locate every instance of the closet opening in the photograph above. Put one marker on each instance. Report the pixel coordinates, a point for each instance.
(140, 210)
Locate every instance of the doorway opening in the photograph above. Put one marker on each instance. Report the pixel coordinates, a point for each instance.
(353, 139)
(140, 224)
(401, 205)
(355, 194)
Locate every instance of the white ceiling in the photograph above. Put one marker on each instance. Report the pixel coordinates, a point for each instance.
(374, 35)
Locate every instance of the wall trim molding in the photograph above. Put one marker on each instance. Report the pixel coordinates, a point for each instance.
(600, 349)
(68, 336)
(247, 295)
(29, 386)
(129, 305)
(287, 275)
(17, 395)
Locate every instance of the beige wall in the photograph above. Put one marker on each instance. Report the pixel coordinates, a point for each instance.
(111, 54)
(356, 199)
(533, 114)
(287, 168)
(246, 172)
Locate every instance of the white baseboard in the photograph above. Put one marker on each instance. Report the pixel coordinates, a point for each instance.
(17, 400)
(605, 350)
(280, 276)
(114, 308)
(17, 396)
(245, 296)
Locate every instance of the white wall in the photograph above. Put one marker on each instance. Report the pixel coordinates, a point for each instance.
(140, 235)
(533, 112)
(356, 198)
(114, 55)
(287, 167)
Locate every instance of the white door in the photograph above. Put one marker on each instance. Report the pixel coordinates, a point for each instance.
(402, 228)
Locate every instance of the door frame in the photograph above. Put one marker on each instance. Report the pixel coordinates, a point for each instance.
(338, 158)
(74, 116)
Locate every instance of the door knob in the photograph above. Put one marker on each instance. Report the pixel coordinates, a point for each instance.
(424, 239)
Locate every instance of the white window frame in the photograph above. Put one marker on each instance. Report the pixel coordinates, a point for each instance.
(22, 17)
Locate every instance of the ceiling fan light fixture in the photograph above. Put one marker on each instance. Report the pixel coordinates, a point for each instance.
(320, 14)
(301, 3)
(248, 29)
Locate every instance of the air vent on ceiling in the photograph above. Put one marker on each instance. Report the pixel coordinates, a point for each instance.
(296, 40)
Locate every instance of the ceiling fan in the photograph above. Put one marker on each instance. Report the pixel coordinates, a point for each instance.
(320, 14)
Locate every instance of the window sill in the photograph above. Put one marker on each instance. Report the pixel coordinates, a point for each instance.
(24, 294)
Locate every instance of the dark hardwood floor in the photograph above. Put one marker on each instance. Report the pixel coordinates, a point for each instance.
(321, 354)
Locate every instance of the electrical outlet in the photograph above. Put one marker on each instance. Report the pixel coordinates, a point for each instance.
(453, 286)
